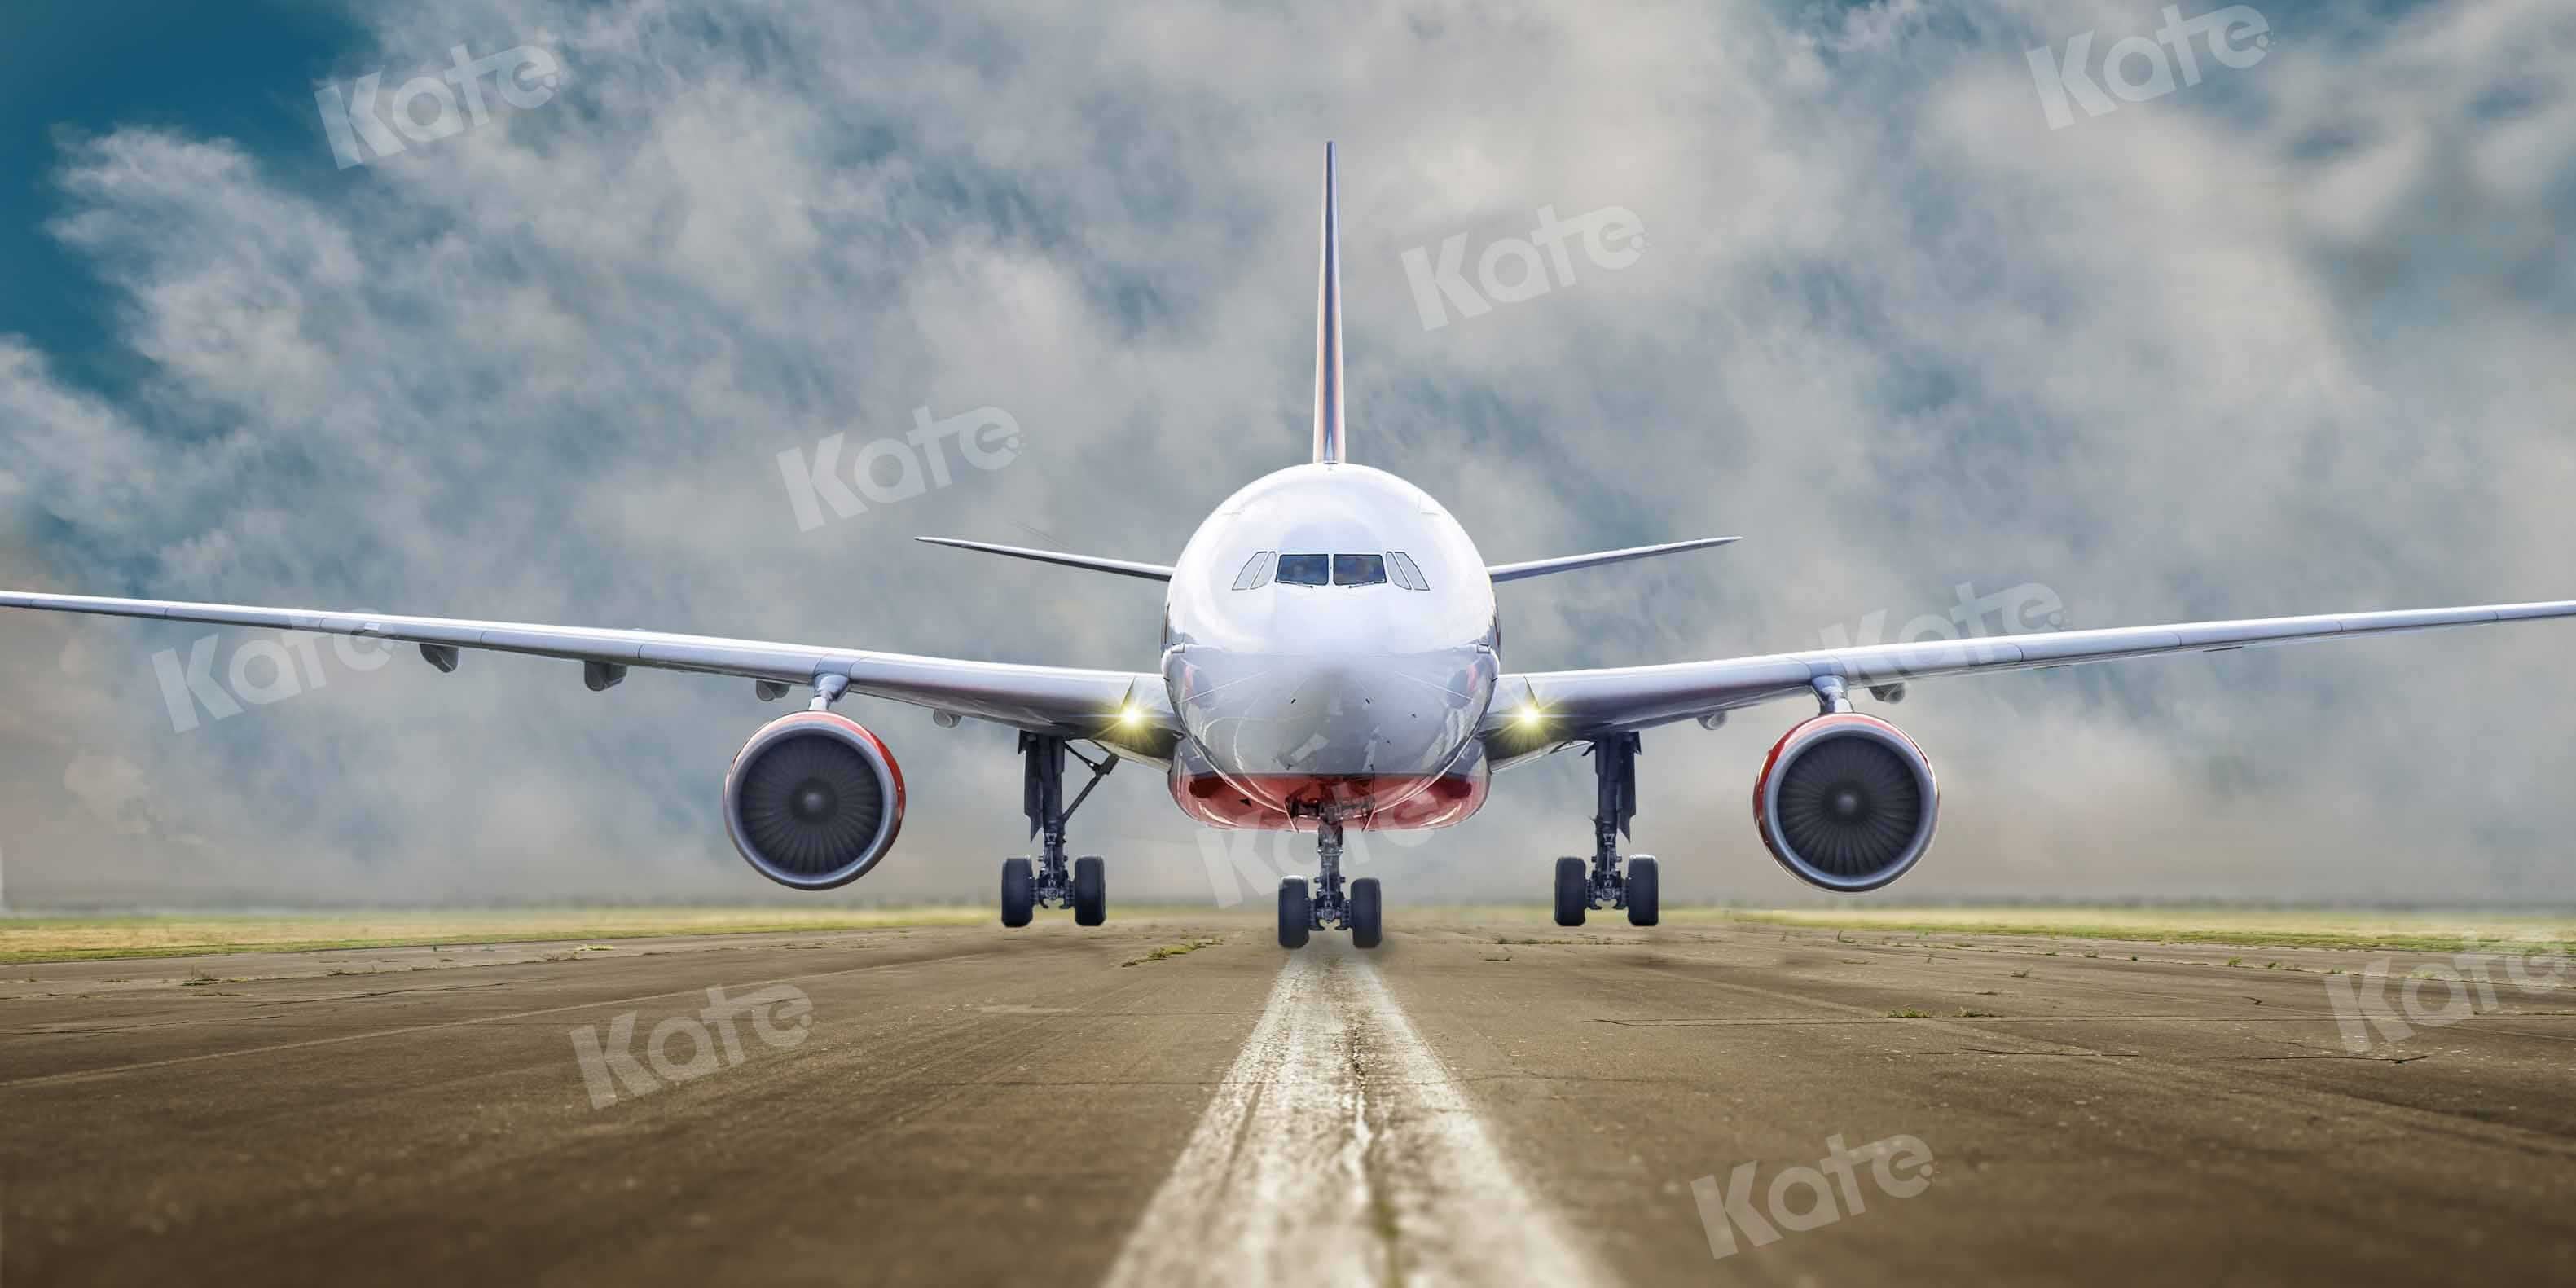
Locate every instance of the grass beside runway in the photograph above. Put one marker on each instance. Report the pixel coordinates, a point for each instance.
(84, 938)
(2247, 925)
(43, 938)
(2424, 931)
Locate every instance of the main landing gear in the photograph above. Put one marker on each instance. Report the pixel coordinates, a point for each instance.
(1327, 905)
(1614, 776)
(1048, 881)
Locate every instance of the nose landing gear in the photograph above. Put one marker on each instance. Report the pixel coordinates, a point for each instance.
(1327, 904)
(1639, 888)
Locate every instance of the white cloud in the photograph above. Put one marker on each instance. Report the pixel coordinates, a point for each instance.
(2179, 361)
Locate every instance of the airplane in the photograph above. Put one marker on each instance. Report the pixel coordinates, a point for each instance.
(1331, 659)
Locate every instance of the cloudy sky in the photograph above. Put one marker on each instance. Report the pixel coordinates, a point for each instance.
(2294, 338)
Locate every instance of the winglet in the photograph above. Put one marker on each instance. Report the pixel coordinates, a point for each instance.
(1328, 329)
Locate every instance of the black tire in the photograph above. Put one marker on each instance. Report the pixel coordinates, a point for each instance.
(1644, 892)
(1366, 909)
(1296, 913)
(1573, 891)
(1019, 892)
(1090, 891)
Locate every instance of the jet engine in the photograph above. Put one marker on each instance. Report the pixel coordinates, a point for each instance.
(1846, 802)
(813, 800)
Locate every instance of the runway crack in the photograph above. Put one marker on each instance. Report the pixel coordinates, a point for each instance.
(2062, 1055)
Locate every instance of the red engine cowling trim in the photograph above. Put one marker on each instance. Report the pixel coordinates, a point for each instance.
(842, 726)
(1807, 731)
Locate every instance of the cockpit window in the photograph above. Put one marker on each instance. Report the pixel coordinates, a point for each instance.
(1304, 570)
(1331, 570)
(1256, 571)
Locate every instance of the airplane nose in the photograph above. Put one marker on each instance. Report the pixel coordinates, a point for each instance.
(1290, 714)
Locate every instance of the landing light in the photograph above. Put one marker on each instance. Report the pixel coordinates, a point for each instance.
(1129, 715)
(1528, 717)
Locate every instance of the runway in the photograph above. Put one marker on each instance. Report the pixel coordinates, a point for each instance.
(1480, 1101)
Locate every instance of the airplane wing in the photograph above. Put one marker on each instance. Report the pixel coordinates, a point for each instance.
(1041, 699)
(1567, 563)
(1122, 567)
(1539, 708)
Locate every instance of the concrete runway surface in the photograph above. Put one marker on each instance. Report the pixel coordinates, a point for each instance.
(1475, 1103)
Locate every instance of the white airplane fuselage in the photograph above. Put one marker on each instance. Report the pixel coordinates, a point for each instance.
(1356, 699)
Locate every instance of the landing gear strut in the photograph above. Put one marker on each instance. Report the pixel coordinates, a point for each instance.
(1327, 904)
(1048, 880)
(1604, 885)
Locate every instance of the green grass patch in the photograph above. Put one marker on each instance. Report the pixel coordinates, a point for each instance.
(40, 939)
(2250, 927)
(1170, 950)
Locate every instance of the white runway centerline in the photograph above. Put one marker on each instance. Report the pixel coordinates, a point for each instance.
(1339, 1151)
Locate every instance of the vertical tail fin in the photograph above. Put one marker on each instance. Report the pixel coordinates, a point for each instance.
(1328, 329)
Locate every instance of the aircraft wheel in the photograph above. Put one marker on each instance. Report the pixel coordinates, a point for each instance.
(1365, 908)
(1019, 891)
(1644, 878)
(1090, 891)
(1296, 912)
(1573, 891)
